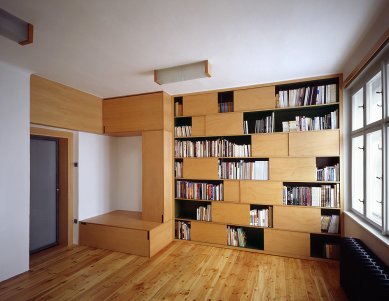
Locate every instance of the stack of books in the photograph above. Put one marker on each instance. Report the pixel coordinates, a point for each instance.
(182, 230)
(241, 170)
(323, 196)
(178, 111)
(178, 169)
(303, 123)
(330, 223)
(236, 237)
(328, 173)
(227, 106)
(183, 131)
(199, 191)
(204, 213)
(261, 217)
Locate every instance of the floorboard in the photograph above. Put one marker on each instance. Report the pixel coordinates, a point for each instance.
(182, 271)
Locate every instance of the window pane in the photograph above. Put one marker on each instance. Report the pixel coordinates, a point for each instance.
(374, 176)
(357, 108)
(357, 174)
(374, 99)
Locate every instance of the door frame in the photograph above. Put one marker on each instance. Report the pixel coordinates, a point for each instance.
(65, 179)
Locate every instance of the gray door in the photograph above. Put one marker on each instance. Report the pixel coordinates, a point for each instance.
(44, 193)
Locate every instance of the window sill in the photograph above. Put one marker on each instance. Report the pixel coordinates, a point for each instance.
(376, 233)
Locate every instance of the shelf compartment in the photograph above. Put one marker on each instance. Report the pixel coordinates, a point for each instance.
(254, 237)
(287, 242)
(262, 216)
(188, 209)
(231, 213)
(182, 230)
(327, 169)
(225, 101)
(292, 169)
(330, 221)
(209, 233)
(324, 246)
(183, 127)
(275, 145)
(224, 124)
(200, 104)
(257, 192)
(318, 143)
(200, 168)
(178, 106)
(297, 219)
(199, 190)
(255, 99)
(251, 122)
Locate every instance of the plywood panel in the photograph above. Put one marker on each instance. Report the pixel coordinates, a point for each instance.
(287, 243)
(135, 113)
(207, 232)
(231, 213)
(297, 218)
(198, 126)
(261, 192)
(160, 237)
(167, 178)
(292, 169)
(153, 184)
(255, 99)
(224, 124)
(113, 238)
(61, 106)
(200, 104)
(231, 191)
(200, 168)
(168, 112)
(270, 145)
(318, 143)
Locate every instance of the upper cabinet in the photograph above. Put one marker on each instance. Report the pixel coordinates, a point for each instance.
(200, 104)
(255, 99)
(137, 113)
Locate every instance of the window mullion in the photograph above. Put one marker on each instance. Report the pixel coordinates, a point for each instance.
(364, 153)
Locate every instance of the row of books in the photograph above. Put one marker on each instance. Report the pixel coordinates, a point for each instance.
(303, 123)
(183, 131)
(241, 170)
(210, 148)
(178, 169)
(182, 230)
(199, 191)
(226, 107)
(328, 173)
(323, 196)
(330, 223)
(236, 237)
(178, 109)
(307, 96)
(264, 125)
(261, 217)
(204, 213)
(331, 251)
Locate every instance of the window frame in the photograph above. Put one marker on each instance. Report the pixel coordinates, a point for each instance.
(380, 64)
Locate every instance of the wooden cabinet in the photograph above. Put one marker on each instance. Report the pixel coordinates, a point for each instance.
(255, 99)
(287, 243)
(292, 169)
(198, 126)
(137, 113)
(210, 233)
(231, 213)
(224, 124)
(200, 104)
(200, 168)
(261, 192)
(302, 219)
(273, 145)
(319, 143)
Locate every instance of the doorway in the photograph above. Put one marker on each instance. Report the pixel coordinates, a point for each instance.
(44, 195)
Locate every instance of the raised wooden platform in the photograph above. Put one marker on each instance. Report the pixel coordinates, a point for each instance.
(125, 231)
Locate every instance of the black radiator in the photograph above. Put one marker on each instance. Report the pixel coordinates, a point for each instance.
(363, 275)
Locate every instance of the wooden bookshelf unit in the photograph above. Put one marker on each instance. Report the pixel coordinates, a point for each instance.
(265, 155)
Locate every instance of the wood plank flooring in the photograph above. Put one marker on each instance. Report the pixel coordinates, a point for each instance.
(182, 271)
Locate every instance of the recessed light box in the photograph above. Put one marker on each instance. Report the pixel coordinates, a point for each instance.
(15, 29)
(182, 73)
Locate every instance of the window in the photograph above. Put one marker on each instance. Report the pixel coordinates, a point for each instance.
(369, 147)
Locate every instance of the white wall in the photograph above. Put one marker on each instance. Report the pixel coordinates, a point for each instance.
(128, 187)
(96, 157)
(14, 170)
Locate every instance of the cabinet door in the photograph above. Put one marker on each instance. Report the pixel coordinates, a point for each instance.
(231, 213)
(198, 126)
(224, 124)
(318, 143)
(287, 243)
(134, 113)
(207, 232)
(200, 104)
(293, 218)
(270, 145)
(261, 192)
(231, 191)
(255, 99)
(292, 169)
(200, 168)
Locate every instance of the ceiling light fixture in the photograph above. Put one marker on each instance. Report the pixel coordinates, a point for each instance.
(182, 73)
(15, 29)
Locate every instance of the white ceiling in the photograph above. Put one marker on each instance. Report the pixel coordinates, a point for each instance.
(110, 48)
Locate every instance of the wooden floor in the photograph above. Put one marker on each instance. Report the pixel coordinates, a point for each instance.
(182, 271)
